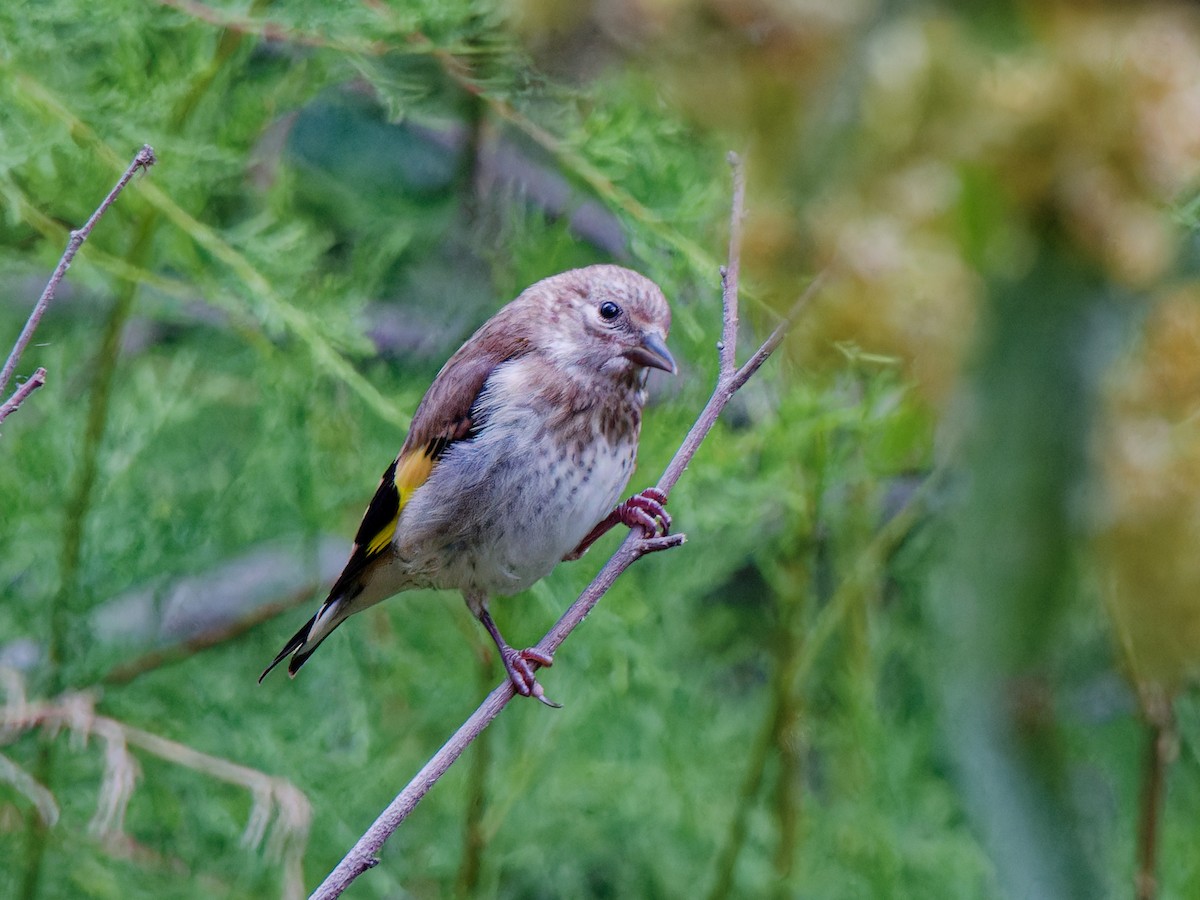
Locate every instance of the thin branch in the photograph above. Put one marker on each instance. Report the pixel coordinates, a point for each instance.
(58, 612)
(257, 286)
(143, 160)
(731, 273)
(728, 384)
(125, 672)
(775, 338)
(636, 545)
(35, 381)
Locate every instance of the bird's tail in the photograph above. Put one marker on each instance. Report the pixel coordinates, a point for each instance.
(305, 642)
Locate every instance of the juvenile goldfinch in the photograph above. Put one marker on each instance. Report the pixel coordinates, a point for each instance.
(515, 458)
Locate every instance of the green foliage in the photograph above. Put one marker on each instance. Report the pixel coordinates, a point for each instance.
(802, 701)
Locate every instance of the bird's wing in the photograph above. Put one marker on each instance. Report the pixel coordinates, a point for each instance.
(446, 414)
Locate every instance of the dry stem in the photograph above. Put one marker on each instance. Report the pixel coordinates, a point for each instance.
(143, 160)
(31, 384)
(278, 806)
(1162, 743)
(363, 855)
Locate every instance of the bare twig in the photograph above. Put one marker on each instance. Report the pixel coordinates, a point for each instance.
(143, 160)
(35, 381)
(636, 545)
(731, 273)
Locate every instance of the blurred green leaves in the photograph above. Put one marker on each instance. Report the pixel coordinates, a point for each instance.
(1007, 578)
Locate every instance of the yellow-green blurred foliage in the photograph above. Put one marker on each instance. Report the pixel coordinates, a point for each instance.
(951, 151)
(1149, 525)
(910, 158)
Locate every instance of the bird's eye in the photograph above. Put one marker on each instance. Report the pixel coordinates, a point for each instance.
(609, 310)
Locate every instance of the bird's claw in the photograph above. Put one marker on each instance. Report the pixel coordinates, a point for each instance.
(521, 666)
(646, 510)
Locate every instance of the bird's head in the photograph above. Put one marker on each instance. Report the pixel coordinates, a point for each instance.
(604, 318)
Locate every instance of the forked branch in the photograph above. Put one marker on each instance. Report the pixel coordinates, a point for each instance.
(1162, 746)
(363, 855)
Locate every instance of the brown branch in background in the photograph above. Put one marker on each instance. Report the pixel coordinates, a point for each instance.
(1161, 746)
(143, 160)
(128, 671)
(363, 855)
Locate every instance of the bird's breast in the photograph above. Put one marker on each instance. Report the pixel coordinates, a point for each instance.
(500, 510)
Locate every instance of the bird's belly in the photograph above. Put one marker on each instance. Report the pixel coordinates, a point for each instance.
(498, 514)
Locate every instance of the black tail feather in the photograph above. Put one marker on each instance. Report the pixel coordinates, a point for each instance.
(295, 643)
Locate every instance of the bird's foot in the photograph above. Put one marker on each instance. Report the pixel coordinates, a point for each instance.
(647, 510)
(521, 666)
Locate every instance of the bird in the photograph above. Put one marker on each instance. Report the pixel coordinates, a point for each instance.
(515, 459)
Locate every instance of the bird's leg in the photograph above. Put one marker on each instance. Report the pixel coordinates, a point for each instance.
(519, 664)
(645, 509)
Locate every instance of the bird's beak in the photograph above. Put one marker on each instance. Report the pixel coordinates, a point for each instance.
(653, 353)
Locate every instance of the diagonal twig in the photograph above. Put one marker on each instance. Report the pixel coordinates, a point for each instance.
(143, 160)
(1162, 746)
(362, 855)
(31, 384)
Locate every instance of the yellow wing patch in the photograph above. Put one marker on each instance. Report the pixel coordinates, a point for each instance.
(384, 537)
(411, 473)
(408, 474)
